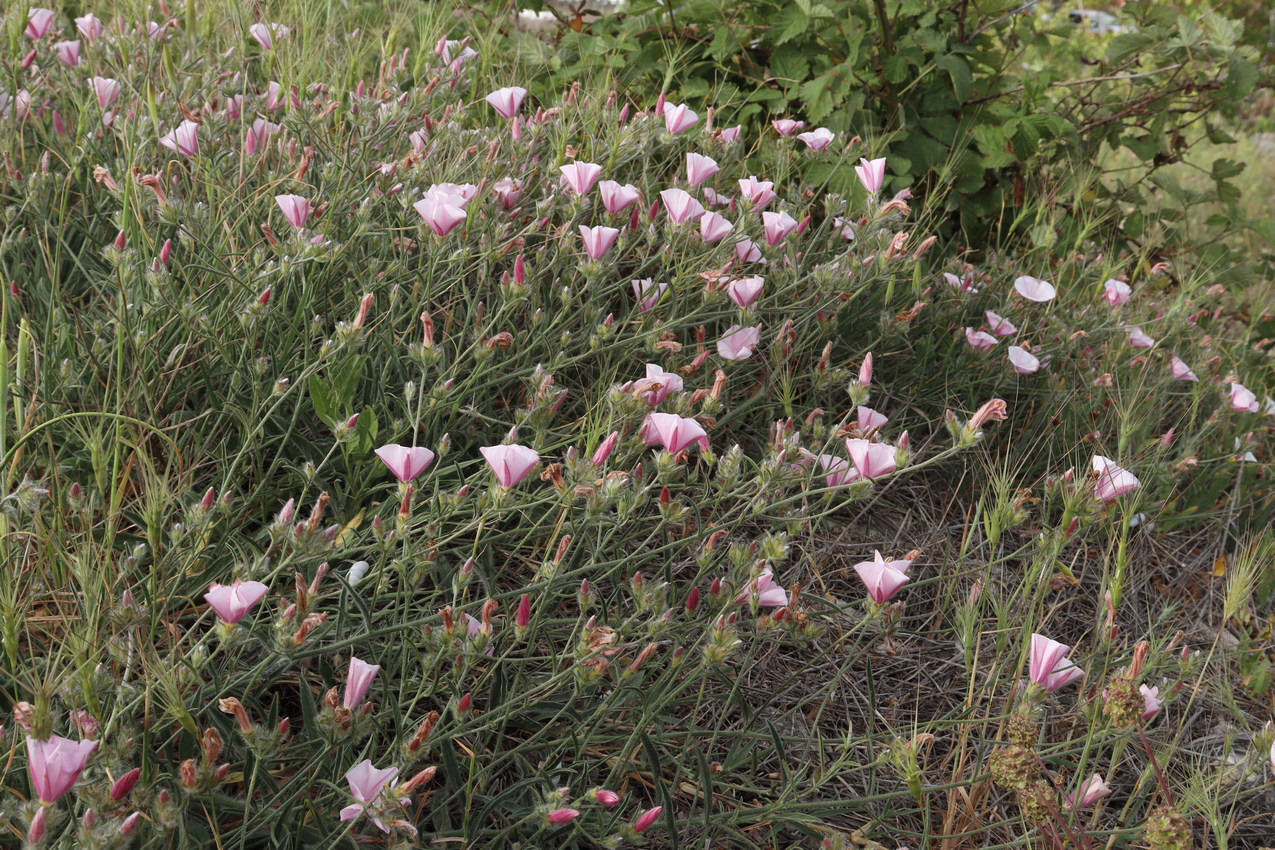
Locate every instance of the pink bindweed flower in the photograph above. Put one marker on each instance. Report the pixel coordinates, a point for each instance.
(1116, 292)
(777, 226)
(870, 420)
(871, 459)
(1091, 791)
(677, 432)
(105, 90)
(357, 681)
(716, 199)
(506, 101)
(678, 118)
(561, 816)
(745, 290)
(729, 135)
(769, 594)
(1243, 400)
(68, 52)
(1113, 482)
(406, 463)
(296, 209)
(738, 343)
(1034, 289)
(700, 168)
(511, 464)
(258, 134)
(714, 227)
(89, 26)
(1049, 666)
(580, 177)
(184, 139)
(55, 764)
(366, 786)
(817, 140)
(787, 126)
(441, 212)
(598, 240)
(837, 470)
(680, 206)
(1138, 339)
(758, 193)
(508, 191)
(266, 34)
(617, 198)
(234, 601)
(746, 251)
(999, 325)
(662, 383)
(881, 577)
(648, 293)
(960, 285)
(871, 174)
(38, 23)
(980, 340)
(1180, 370)
(644, 820)
(1151, 703)
(1023, 361)
(274, 98)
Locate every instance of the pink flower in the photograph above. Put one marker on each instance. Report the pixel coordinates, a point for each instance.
(881, 577)
(962, 285)
(678, 118)
(273, 98)
(648, 293)
(233, 602)
(648, 817)
(366, 785)
(509, 191)
(598, 240)
(777, 226)
(738, 343)
(745, 290)
(68, 52)
(677, 432)
(681, 207)
(870, 420)
(1049, 667)
(123, 785)
(716, 199)
(1034, 289)
(787, 126)
(406, 463)
(510, 463)
(1091, 791)
(769, 594)
(979, 339)
(837, 470)
(663, 383)
(617, 198)
(746, 251)
(1023, 361)
(1138, 339)
(871, 459)
(606, 798)
(1182, 372)
(506, 101)
(605, 448)
(258, 134)
(296, 209)
(265, 34)
(1113, 481)
(357, 681)
(1116, 293)
(999, 325)
(561, 816)
(871, 174)
(1151, 703)
(441, 212)
(865, 370)
(1243, 400)
(38, 23)
(89, 26)
(699, 168)
(580, 176)
(55, 764)
(184, 139)
(818, 139)
(106, 90)
(759, 193)
(729, 135)
(713, 227)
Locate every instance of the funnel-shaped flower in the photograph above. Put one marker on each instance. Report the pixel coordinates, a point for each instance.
(700, 168)
(1138, 339)
(738, 343)
(837, 470)
(745, 290)
(714, 226)
(617, 198)
(296, 209)
(678, 118)
(1151, 703)
(258, 134)
(1034, 289)
(769, 593)
(871, 174)
(1180, 370)
(1023, 361)
(90, 27)
(777, 226)
(871, 459)
(870, 420)
(506, 101)
(357, 681)
(648, 293)
(184, 139)
(881, 577)
(680, 206)
(38, 23)
(759, 193)
(598, 240)
(55, 764)
(661, 383)
(510, 463)
(1049, 666)
(405, 462)
(1116, 292)
(579, 177)
(267, 34)
(233, 602)
(106, 90)
(746, 251)
(366, 785)
(787, 126)
(440, 212)
(818, 139)
(68, 52)
(980, 340)
(1091, 791)
(677, 432)
(999, 325)
(1113, 482)
(1243, 400)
